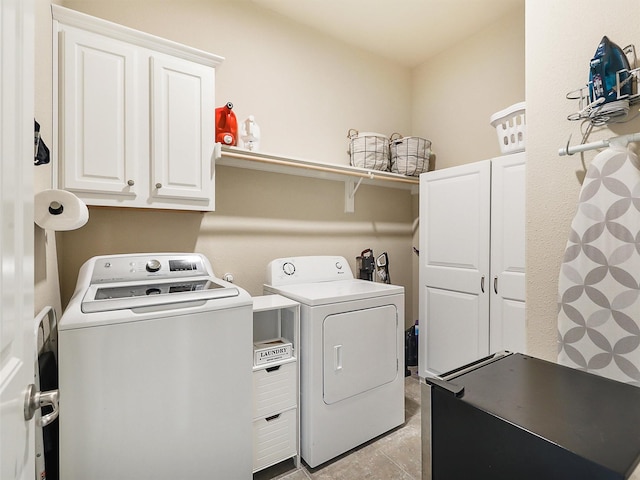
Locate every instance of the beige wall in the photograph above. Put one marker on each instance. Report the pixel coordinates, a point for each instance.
(561, 38)
(456, 92)
(295, 109)
(305, 91)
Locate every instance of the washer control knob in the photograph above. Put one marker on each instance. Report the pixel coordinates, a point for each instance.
(289, 268)
(153, 265)
(339, 265)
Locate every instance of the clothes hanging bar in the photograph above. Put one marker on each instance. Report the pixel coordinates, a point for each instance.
(621, 140)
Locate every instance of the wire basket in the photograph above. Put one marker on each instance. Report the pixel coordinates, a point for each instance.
(368, 150)
(410, 155)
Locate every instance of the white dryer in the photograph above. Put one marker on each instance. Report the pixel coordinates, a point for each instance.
(351, 353)
(155, 360)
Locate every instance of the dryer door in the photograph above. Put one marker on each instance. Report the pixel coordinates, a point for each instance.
(359, 351)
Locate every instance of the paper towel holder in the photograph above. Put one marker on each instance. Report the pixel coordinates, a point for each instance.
(56, 208)
(59, 210)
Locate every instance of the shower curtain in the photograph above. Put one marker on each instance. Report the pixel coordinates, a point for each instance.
(598, 290)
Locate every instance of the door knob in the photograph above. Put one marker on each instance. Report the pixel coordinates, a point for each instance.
(35, 400)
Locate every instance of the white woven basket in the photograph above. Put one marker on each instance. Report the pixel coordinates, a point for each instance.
(410, 155)
(369, 150)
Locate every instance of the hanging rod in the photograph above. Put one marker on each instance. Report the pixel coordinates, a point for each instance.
(621, 140)
(303, 164)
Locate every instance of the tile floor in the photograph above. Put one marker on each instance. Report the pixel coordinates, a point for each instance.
(392, 456)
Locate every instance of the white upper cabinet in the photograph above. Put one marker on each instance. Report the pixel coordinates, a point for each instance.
(100, 114)
(182, 128)
(135, 116)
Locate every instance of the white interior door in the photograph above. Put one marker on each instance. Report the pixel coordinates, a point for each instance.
(17, 338)
(508, 323)
(454, 266)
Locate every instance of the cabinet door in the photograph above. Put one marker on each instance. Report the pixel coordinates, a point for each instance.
(99, 114)
(454, 266)
(507, 306)
(182, 129)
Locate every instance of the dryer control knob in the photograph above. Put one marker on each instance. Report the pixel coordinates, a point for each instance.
(153, 266)
(289, 268)
(339, 265)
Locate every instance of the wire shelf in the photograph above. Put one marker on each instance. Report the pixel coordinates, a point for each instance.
(599, 111)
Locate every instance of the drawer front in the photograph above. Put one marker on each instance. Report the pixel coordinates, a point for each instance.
(274, 439)
(274, 390)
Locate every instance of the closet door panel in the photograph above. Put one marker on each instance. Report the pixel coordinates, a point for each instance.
(455, 212)
(457, 329)
(454, 266)
(508, 253)
(510, 333)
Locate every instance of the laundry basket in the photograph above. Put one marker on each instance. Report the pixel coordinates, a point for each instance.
(369, 150)
(510, 127)
(410, 155)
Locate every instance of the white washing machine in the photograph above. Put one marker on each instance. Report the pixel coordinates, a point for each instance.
(351, 353)
(155, 361)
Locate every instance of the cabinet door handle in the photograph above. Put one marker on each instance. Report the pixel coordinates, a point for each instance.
(482, 284)
(131, 183)
(495, 284)
(272, 417)
(158, 185)
(272, 369)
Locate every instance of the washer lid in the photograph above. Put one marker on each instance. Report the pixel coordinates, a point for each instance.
(120, 295)
(322, 293)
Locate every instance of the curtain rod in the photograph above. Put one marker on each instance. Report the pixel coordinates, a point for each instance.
(621, 140)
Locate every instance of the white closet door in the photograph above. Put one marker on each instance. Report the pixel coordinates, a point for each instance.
(454, 266)
(508, 325)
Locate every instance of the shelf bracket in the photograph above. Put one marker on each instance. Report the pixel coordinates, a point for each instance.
(350, 189)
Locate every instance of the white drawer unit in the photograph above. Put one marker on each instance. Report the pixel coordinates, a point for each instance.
(275, 438)
(276, 384)
(274, 389)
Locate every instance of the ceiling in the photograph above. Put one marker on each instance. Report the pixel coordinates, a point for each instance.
(409, 31)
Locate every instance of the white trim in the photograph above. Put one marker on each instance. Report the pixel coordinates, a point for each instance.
(86, 22)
